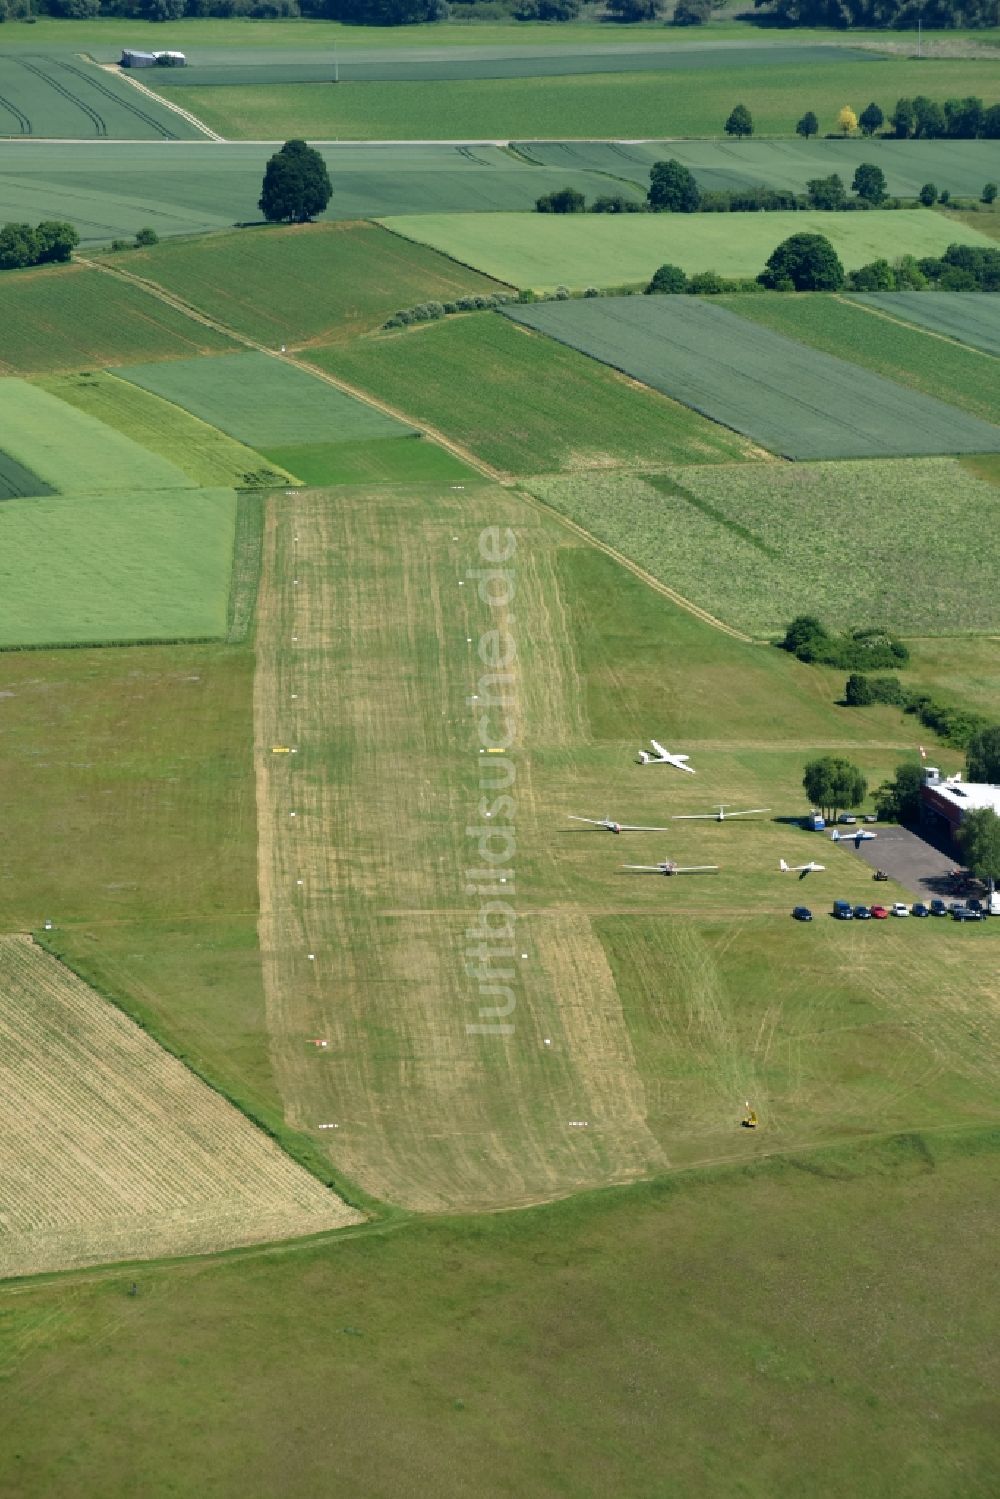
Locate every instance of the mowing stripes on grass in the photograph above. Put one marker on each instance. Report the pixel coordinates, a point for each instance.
(893, 543)
(792, 399)
(109, 568)
(544, 250)
(263, 400)
(971, 318)
(523, 403)
(16, 480)
(205, 454)
(962, 377)
(112, 1149)
(72, 450)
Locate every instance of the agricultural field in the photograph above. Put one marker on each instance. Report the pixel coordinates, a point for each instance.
(257, 398)
(74, 451)
(207, 456)
(756, 545)
(16, 480)
(307, 284)
(961, 376)
(470, 378)
(961, 166)
(544, 251)
(159, 1163)
(969, 318)
(378, 460)
(61, 95)
(113, 567)
(73, 318)
(651, 105)
(794, 400)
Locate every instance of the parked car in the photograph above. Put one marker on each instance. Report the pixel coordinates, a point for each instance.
(919, 909)
(975, 905)
(869, 817)
(843, 910)
(900, 908)
(880, 874)
(938, 908)
(802, 913)
(848, 819)
(962, 913)
(862, 913)
(880, 912)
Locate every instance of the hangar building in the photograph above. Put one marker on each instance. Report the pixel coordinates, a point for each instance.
(946, 801)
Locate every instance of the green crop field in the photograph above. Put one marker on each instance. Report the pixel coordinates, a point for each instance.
(968, 317)
(206, 455)
(758, 544)
(306, 284)
(16, 480)
(58, 94)
(544, 251)
(689, 102)
(74, 318)
(396, 460)
(116, 567)
(74, 451)
(109, 191)
(962, 377)
(470, 377)
(961, 166)
(256, 398)
(792, 399)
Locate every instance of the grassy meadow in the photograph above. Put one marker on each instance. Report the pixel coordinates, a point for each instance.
(470, 378)
(305, 284)
(115, 567)
(544, 251)
(694, 102)
(963, 377)
(816, 1323)
(758, 544)
(792, 399)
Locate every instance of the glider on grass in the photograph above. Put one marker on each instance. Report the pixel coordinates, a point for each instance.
(669, 867)
(661, 756)
(615, 827)
(719, 815)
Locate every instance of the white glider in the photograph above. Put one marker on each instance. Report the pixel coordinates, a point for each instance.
(615, 827)
(664, 757)
(801, 869)
(859, 836)
(669, 867)
(718, 816)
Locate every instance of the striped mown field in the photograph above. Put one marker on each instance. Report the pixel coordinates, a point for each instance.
(111, 1149)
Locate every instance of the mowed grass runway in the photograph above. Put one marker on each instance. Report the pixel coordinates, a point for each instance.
(665, 1002)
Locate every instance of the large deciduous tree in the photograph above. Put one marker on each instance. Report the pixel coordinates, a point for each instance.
(827, 193)
(808, 125)
(979, 840)
(982, 756)
(871, 119)
(296, 185)
(740, 122)
(804, 262)
(834, 784)
(869, 184)
(899, 800)
(672, 188)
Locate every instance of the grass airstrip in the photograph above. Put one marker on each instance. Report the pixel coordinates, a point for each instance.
(258, 848)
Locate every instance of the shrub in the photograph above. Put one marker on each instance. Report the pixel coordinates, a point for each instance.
(146, 236)
(989, 193)
(707, 284)
(928, 195)
(667, 281)
(566, 200)
(616, 203)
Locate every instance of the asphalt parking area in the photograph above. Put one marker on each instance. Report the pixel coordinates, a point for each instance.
(907, 858)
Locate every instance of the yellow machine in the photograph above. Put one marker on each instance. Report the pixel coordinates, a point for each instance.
(750, 1117)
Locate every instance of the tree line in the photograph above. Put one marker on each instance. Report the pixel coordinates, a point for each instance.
(46, 243)
(883, 15)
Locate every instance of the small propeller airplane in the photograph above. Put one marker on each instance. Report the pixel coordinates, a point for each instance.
(859, 836)
(801, 869)
(664, 757)
(615, 827)
(669, 867)
(719, 815)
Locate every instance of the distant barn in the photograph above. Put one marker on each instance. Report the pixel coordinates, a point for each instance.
(131, 59)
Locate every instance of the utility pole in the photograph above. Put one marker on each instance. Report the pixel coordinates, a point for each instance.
(920, 37)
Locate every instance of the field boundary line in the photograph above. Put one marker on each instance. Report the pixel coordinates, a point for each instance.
(179, 305)
(640, 572)
(185, 114)
(891, 317)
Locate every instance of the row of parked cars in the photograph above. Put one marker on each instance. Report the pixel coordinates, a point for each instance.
(970, 910)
